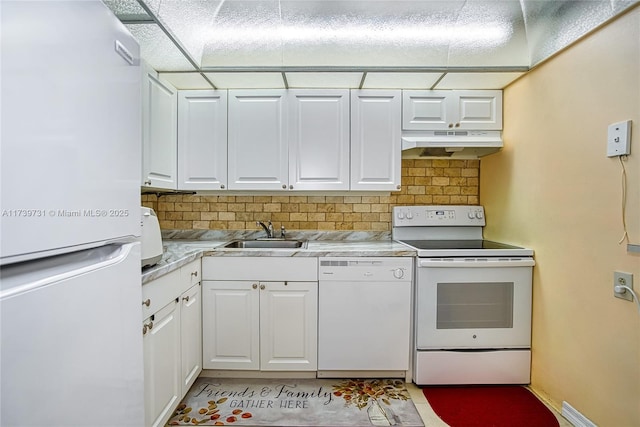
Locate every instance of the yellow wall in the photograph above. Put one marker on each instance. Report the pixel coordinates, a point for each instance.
(553, 189)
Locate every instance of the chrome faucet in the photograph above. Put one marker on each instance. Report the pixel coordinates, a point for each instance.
(267, 228)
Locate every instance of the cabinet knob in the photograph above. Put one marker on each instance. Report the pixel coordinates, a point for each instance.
(398, 186)
(291, 187)
(147, 182)
(195, 273)
(147, 327)
(284, 186)
(146, 302)
(457, 125)
(186, 298)
(262, 287)
(222, 186)
(450, 125)
(254, 286)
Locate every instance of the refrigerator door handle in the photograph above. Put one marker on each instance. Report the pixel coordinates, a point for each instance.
(47, 272)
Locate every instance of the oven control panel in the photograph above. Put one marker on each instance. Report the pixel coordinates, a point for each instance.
(455, 215)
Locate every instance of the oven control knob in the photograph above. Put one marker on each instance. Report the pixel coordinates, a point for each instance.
(398, 273)
(471, 215)
(400, 215)
(409, 215)
(479, 214)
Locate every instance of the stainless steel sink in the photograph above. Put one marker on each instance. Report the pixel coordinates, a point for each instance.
(267, 244)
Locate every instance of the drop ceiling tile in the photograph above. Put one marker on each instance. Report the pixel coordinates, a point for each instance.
(157, 49)
(247, 80)
(400, 80)
(186, 81)
(189, 21)
(552, 26)
(477, 80)
(489, 33)
(241, 34)
(365, 33)
(128, 10)
(344, 80)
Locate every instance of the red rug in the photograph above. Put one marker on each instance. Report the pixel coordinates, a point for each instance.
(489, 406)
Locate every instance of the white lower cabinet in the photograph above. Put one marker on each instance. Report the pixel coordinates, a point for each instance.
(162, 364)
(231, 338)
(190, 336)
(172, 340)
(288, 326)
(268, 326)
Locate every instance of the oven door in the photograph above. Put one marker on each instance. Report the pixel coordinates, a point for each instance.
(473, 303)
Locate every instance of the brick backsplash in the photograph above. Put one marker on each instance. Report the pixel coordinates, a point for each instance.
(424, 182)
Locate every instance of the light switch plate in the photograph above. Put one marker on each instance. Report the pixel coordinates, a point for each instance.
(619, 139)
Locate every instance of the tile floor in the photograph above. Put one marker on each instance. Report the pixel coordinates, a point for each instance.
(430, 418)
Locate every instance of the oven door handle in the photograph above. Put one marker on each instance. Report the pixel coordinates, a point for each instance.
(476, 263)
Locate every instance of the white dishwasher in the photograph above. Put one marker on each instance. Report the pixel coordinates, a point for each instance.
(364, 316)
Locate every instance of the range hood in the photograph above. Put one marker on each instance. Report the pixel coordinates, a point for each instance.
(457, 144)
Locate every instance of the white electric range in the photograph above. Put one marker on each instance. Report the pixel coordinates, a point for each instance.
(472, 298)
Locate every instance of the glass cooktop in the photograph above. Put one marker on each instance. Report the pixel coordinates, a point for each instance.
(457, 244)
(465, 248)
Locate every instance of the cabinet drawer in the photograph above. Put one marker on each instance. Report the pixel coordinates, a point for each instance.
(159, 292)
(190, 274)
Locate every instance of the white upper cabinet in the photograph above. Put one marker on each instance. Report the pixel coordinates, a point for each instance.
(258, 144)
(452, 110)
(202, 140)
(375, 140)
(319, 139)
(159, 134)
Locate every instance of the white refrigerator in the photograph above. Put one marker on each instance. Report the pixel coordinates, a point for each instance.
(70, 291)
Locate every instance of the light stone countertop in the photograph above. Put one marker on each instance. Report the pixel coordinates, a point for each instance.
(180, 252)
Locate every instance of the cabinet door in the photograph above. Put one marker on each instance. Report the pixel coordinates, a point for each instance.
(202, 140)
(230, 319)
(452, 109)
(191, 336)
(426, 110)
(258, 147)
(162, 388)
(319, 140)
(376, 151)
(289, 326)
(478, 109)
(159, 132)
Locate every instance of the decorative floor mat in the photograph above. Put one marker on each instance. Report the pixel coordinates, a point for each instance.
(296, 402)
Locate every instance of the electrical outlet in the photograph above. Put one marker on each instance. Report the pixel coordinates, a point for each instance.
(619, 139)
(626, 279)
